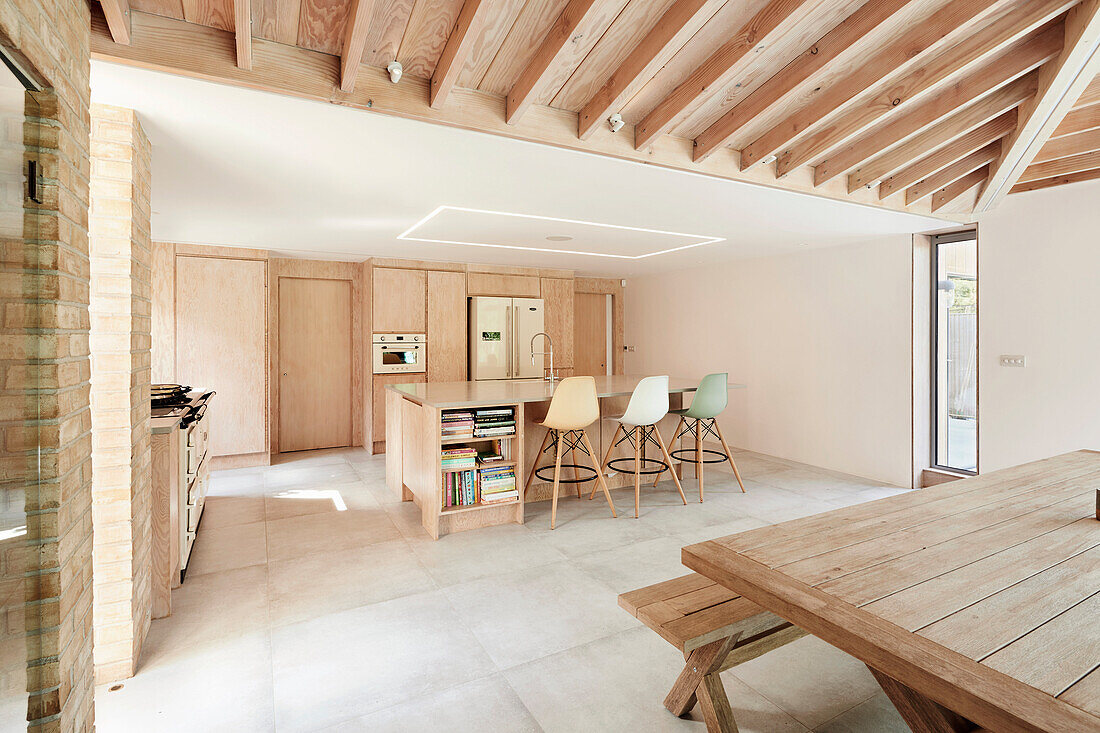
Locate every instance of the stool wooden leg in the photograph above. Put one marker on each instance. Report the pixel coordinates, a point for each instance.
(599, 477)
(606, 457)
(557, 475)
(668, 459)
(668, 451)
(637, 468)
(535, 463)
(729, 455)
(703, 661)
(576, 476)
(699, 457)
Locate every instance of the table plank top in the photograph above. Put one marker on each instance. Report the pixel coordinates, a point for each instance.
(982, 593)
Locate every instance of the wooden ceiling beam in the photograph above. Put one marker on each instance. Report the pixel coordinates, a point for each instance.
(1016, 62)
(1079, 120)
(1063, 147)
(722, 68)
(242, 29)
(355, 40)
(117, 13)
(1062, 82)
(527, 87)
(827, 49)
(931, 164)
(943, 132)
(1061, 167)
(949, 193)
(679, 23)
(985, 40)
(1091, 95)
(1059, 181)
(953, 172)
(467, 27)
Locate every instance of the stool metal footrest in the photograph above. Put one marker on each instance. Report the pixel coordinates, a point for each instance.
(550, 478)
(695, 459)
(643, 461)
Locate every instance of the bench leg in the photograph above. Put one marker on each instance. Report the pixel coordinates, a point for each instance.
(920, 714)
(699, 681)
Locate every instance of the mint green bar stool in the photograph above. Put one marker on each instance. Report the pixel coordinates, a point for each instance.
(698, 422)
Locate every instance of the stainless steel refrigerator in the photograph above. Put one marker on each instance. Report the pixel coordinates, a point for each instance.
(500, 338)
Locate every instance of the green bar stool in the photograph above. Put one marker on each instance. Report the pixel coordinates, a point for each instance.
(698, 421)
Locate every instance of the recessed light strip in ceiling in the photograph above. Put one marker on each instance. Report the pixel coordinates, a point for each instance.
(407, 234)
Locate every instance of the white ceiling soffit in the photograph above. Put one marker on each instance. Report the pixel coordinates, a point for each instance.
(239, 167)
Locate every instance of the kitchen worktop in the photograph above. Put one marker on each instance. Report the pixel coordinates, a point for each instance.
(505, 391)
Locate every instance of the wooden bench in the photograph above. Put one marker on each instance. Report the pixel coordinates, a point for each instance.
(715, 629)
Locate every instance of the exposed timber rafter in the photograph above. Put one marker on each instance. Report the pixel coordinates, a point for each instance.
(117, 13)
(355, 38)
(469, 24)
(242, 29)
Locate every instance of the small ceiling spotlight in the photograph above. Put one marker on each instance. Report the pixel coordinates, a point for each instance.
(615, 122)
(559, 238)
(394, 70)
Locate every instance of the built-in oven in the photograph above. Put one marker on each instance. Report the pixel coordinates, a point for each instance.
(399, 353)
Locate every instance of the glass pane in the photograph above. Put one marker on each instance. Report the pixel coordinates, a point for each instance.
(956, 404)
(18, 397)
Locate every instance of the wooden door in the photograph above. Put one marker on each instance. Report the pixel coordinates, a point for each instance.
(399, 300)
(590, 335)
(446, 326)
(221, 345)
(314, 364)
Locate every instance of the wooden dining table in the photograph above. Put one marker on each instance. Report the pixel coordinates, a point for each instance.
(975, 603)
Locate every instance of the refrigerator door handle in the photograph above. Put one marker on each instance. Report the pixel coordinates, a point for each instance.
(509, 347)
(515, 341)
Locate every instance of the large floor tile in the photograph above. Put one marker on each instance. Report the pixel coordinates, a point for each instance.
(465, 556)
(214, 606)
(323, 583)
(480, 706)
(714, 531)
(877, 714)
(619, 684)
(327, 532)
(341, 666)
(530, 613)
(811, 680)
(586, 526)
(229, 511)
(226, 548)
(634, 566)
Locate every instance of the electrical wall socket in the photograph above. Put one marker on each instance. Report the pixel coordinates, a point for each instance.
(628, 349)
(1013, 360)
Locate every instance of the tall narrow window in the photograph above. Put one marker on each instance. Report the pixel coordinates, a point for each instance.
(955, 350)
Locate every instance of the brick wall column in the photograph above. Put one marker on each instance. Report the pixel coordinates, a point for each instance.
(121, 252)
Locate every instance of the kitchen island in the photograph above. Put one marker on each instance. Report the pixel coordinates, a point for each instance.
(415, 416)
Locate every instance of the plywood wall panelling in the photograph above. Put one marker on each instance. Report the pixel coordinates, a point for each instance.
(400, 300)
(315, 363)
(387, 28)
(515, 286)
(446, 327)
(163, 327)
(221, 345)
(169, 8)
(322, 24)
(558, 296)
(523, 40)
(429, 26)
(214, 13)
(502, 14)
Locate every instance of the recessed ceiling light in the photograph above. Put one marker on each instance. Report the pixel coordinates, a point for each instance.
(559, 238)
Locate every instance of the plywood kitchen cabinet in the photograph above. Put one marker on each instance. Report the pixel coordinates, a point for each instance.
(221, 345)
(399, 300)
(513, 286)
(379, 402)
(315, 363)
(557, 294)
(446, 326)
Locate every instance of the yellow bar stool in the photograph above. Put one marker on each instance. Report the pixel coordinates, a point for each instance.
(698, 422)
(638, 425)
(573, 408)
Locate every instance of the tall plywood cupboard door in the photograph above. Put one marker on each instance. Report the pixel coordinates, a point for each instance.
(314, 364)
(399, 300)
(557, 294)
(221, 345)
(446, 326)
(590, 335)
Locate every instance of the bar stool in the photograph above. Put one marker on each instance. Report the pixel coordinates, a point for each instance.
(699, 421)
(638, 425)
(573, 407)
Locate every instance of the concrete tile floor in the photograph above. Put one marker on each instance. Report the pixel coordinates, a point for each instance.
(316, 602)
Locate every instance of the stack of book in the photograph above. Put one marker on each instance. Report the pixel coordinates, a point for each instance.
(497, 483)
(494, 422)
(459, 458)
(458, 424)
(460, 489)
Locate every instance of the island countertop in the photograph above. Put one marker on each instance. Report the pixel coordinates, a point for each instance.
(447, 395)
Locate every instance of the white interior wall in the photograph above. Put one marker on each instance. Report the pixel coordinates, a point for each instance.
(1039, 295)
(821, 338)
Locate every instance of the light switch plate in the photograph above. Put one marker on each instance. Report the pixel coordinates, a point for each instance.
(1013, 360)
